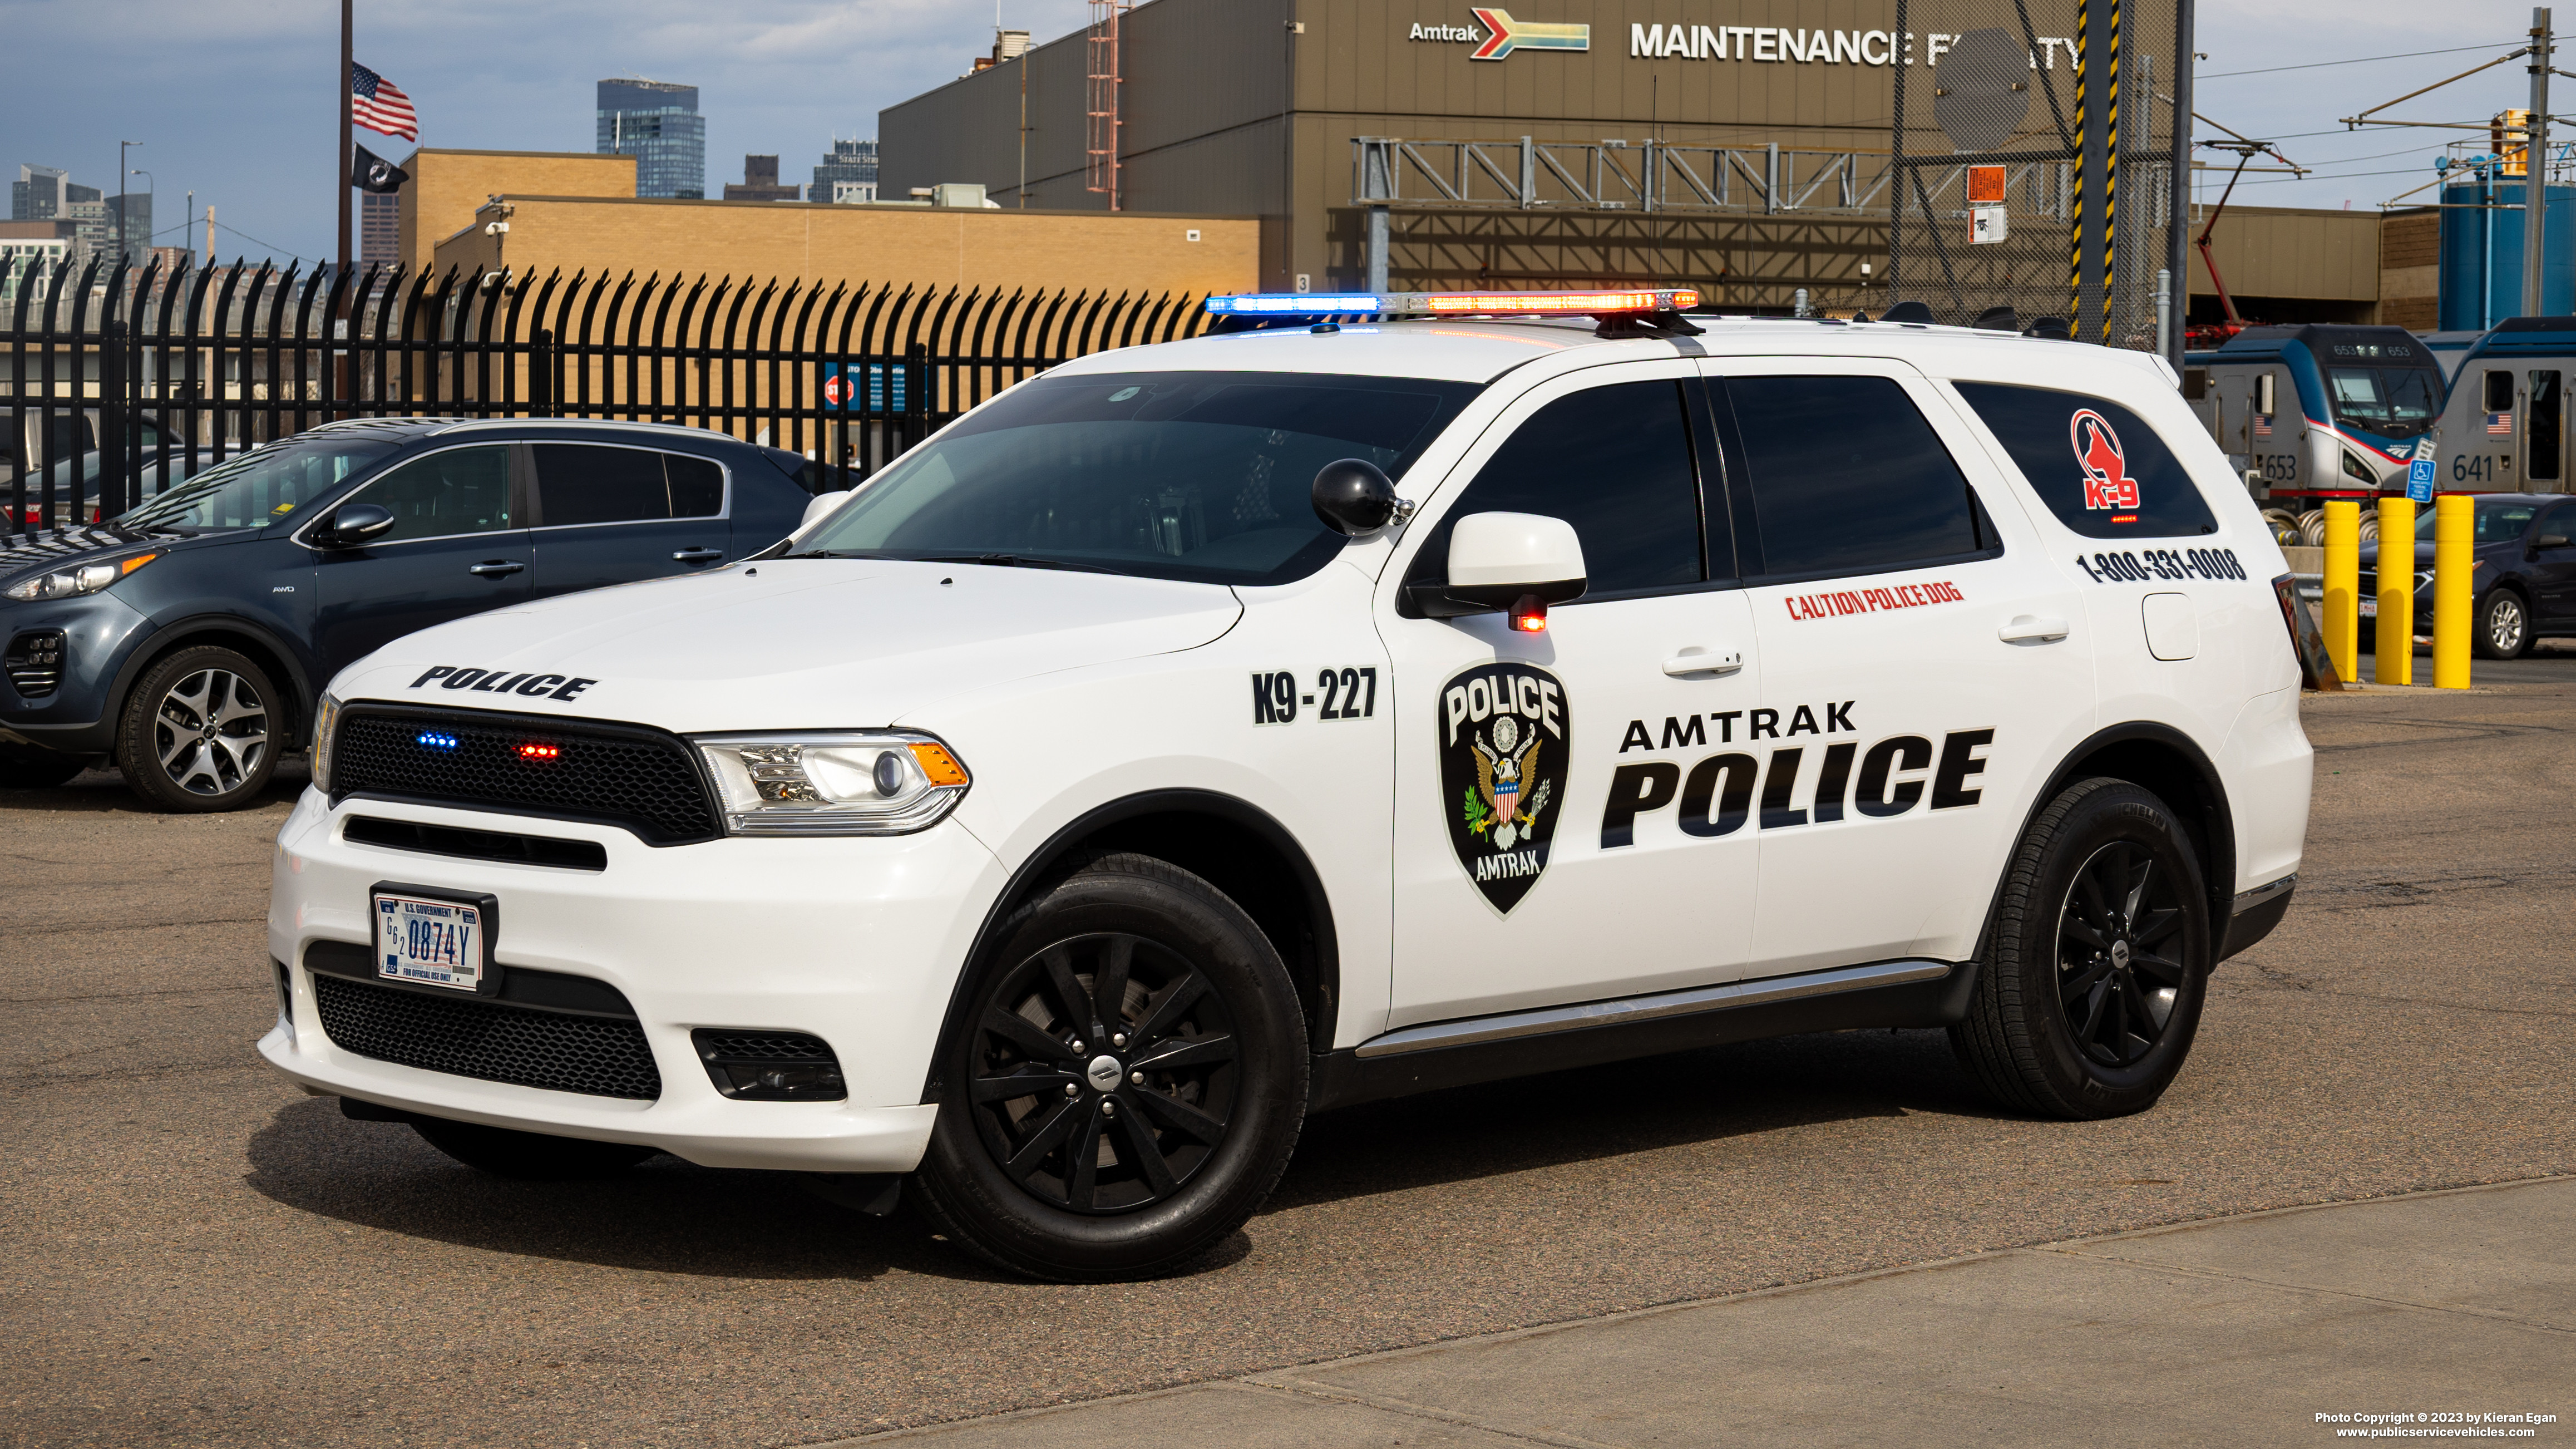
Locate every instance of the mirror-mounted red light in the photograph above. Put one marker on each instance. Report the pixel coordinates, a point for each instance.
(1529, 616)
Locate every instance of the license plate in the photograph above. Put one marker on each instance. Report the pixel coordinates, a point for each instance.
(433, 942)
(2370, 608)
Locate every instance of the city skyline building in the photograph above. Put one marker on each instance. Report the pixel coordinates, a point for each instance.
(129, 225)
(760, 182)
(379, 227)
(847, 174)
(37, 194)
(657, 123)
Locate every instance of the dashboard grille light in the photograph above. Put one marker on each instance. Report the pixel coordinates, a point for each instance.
(437, 739)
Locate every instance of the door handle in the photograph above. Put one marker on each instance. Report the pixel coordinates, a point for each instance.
(1696, 660)
(698, 555)
(496, 568)
(2026, 628)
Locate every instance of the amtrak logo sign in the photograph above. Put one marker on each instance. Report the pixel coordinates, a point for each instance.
(1505, 737)
(1496, 34)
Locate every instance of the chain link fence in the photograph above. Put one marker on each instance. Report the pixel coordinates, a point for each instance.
(1995, 92)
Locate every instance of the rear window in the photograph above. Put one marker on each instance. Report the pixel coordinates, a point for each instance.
(2097, 465)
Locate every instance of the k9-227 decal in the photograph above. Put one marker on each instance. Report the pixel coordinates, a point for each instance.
(1347, 693)
(2149, 565)
(1506, 736)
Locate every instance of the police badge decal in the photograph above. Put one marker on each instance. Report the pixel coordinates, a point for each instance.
(1505, 732)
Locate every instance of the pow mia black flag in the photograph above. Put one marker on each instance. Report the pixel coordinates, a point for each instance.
(1505, 734)
(371, 172)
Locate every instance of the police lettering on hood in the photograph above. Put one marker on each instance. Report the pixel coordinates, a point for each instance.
(1505, 738)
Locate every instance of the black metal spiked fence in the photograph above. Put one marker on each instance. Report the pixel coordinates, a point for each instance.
(119, 381)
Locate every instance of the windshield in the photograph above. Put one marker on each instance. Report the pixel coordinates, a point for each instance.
(2393, 402)
(1204, 476)
(259, 487)
(2497, 522)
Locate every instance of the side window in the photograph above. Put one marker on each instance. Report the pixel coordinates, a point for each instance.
(462, 490)
(1613, 461)
(697, 486)
(1847, 477)
(581, 483)
(2559, 522)
(2499, 385)
(2097, 465)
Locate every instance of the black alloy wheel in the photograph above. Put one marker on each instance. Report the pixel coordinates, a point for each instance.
(1105, 1073)
(2090, 988)
(200, 731)
(2504, 626)
(1123, 1081)
(2116, 988)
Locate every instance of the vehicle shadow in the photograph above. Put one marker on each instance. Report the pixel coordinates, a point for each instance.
(669, 1216)
(666, 1216)
(1564, 1119)
(103, 791)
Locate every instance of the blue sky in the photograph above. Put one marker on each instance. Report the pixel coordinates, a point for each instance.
(235, 99)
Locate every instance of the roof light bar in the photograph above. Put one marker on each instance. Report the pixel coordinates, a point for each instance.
(1455, 304)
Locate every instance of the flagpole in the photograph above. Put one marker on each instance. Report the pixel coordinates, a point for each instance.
(347, 60)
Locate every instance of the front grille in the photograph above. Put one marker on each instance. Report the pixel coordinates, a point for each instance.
(35, 663)
(594, 1055)
(641, 779)
(476, 844)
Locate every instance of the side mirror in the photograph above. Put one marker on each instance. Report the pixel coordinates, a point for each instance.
(1355, 498)
(1511, 560)
(2550, 540)
(353, 524)
(824, 503)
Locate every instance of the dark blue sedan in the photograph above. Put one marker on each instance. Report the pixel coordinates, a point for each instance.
(189, 638)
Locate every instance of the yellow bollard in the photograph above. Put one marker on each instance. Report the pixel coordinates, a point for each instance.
(2454, 541)
(2396, 623)
(2343, 588)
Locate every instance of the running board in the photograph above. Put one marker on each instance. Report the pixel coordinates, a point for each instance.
(1907, 993)
(1646, 1008)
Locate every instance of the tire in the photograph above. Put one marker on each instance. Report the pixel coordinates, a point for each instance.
(37, 769)
(2096, 959)
(531, 1156)
(2503, 628)
(200, 732)
(1061, 1156)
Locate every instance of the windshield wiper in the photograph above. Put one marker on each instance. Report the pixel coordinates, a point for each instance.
(1014, 561)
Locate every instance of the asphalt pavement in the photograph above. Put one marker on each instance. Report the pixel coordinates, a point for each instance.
(196, 1252)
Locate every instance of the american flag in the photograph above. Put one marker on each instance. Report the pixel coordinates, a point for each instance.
(2499, 425)
(379, 105)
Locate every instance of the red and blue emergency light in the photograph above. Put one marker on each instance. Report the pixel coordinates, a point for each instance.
(1454, 304)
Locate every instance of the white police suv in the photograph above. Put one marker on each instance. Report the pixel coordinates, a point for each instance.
(1198, 736)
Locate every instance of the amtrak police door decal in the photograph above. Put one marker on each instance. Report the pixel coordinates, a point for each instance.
(1505, 733)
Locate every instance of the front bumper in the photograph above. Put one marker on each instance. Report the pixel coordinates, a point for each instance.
(855, 940)
(75, 715)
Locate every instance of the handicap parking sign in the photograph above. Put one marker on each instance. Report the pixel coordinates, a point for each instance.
(2419, 480)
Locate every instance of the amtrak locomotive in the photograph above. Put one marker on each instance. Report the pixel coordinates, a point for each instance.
(2317, 411)
(2504, 429)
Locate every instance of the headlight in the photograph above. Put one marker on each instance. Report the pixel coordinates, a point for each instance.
(852, 782)
(71, 582)
(324, 719)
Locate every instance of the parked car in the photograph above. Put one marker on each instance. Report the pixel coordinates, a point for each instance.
(1612, 689)
(2523, 583)
(188, 639)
